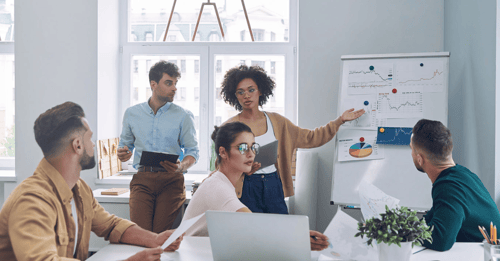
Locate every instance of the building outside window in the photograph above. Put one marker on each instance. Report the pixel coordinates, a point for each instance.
(7, 86)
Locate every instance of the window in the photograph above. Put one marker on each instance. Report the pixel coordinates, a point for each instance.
(149, 18)
(136, 66)
(7, 86)
(261, 64)
(273, 37)
(196, 66)
(258, 35)
(183, 66)
(218, 66)
(181, 94)
(203, 64)
(148, 65)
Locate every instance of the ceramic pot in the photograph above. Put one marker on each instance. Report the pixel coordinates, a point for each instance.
(394, 252)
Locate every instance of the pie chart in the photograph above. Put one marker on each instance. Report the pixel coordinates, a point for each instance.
(361, 150)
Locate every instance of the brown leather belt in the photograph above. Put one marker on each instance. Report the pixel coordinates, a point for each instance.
(151, 169)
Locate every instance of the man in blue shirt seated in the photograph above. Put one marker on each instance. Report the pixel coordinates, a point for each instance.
(460, 202)
(158, 193)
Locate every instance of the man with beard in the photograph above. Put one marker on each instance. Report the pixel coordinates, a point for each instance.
(460, 202)
(158, 193)
(49, 216)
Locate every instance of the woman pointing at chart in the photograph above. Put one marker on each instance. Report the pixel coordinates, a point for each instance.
(264, 190)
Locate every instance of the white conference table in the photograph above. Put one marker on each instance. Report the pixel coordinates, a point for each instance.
(198, 248)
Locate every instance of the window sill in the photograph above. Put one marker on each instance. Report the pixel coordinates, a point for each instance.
(124, 178)
(8, 175)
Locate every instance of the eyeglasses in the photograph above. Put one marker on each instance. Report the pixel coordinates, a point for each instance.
(244, 148)
(242, 92)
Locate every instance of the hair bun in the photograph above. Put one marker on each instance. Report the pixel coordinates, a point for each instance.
(214, 134)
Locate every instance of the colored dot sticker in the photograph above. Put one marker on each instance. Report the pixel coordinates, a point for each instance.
(394, 90)
(421, 65)
(371, 68)
(366, 103)
(361, 139)
(382, 130)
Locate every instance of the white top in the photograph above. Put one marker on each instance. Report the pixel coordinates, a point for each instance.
(265, 139)
(215, 193)
(75, 217)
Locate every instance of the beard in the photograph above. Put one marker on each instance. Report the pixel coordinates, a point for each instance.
(87, 162)
(419, 168)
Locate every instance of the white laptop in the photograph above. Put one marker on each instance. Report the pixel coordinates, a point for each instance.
(257, 236)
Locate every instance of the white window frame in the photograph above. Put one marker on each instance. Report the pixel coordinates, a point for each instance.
(7, 163)
(207, 52)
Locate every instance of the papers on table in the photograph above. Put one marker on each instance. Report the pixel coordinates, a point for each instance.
(183, 227)
(373, 200)
(343, 244)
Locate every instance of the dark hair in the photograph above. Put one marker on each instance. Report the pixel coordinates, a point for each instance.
(434, 138)
(56, 124)
(224, 135)
(157, 70)
(235, 75)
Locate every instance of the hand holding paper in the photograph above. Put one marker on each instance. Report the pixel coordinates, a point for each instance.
(183, 227)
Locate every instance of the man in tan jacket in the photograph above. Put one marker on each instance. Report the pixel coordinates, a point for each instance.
(49, 216)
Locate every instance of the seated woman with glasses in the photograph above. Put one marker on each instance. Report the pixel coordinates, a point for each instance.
(236, 149)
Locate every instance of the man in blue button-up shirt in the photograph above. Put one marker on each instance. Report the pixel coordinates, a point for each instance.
(157, 194)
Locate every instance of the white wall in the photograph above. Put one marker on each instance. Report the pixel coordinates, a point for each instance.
(329, 29)
(108, 94)
(56, 61)
(470, 36)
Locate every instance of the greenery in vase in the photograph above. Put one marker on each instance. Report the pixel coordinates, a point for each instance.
(395, 226)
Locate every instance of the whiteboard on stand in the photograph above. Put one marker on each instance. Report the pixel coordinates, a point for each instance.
(396, 90)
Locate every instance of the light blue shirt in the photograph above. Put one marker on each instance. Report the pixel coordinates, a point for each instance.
(171, 129)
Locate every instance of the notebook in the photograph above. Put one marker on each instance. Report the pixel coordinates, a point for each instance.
(257, 236)
(153, 159)
(267, 154)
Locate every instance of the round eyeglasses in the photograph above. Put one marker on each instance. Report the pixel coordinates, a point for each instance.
(245, 148)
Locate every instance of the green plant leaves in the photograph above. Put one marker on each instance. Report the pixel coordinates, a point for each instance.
(395, 226)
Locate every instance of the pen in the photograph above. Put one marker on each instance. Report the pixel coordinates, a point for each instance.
(313, 237)
(487, 235)
(484, 235)
(495, 236)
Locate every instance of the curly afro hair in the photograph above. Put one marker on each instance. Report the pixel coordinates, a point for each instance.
(235, 75)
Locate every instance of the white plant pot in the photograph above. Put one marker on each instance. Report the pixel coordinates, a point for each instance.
(394, 252)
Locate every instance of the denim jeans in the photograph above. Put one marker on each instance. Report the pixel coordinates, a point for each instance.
(263, 193)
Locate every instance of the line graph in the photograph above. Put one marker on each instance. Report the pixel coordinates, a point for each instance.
(436, 73)
(400, 105)
(430, 75)
(394, 135)
(364, 78)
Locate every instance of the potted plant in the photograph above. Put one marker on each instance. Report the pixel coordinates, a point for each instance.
(396, 232)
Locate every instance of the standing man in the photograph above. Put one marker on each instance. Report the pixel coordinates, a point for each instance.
(460, 202)
(49, 216)
(157, 194)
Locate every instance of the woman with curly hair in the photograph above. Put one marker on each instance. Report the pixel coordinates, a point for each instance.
(264, 190)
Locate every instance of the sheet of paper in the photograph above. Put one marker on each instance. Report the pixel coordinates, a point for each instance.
(428, 75)
(373, 200)
(351, 148)
(417, 249)
(183, 227)
(402, 104)
(367, 78)
(343, 244)
(367, 102)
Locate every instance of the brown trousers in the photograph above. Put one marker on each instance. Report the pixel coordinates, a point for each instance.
(156, 199)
